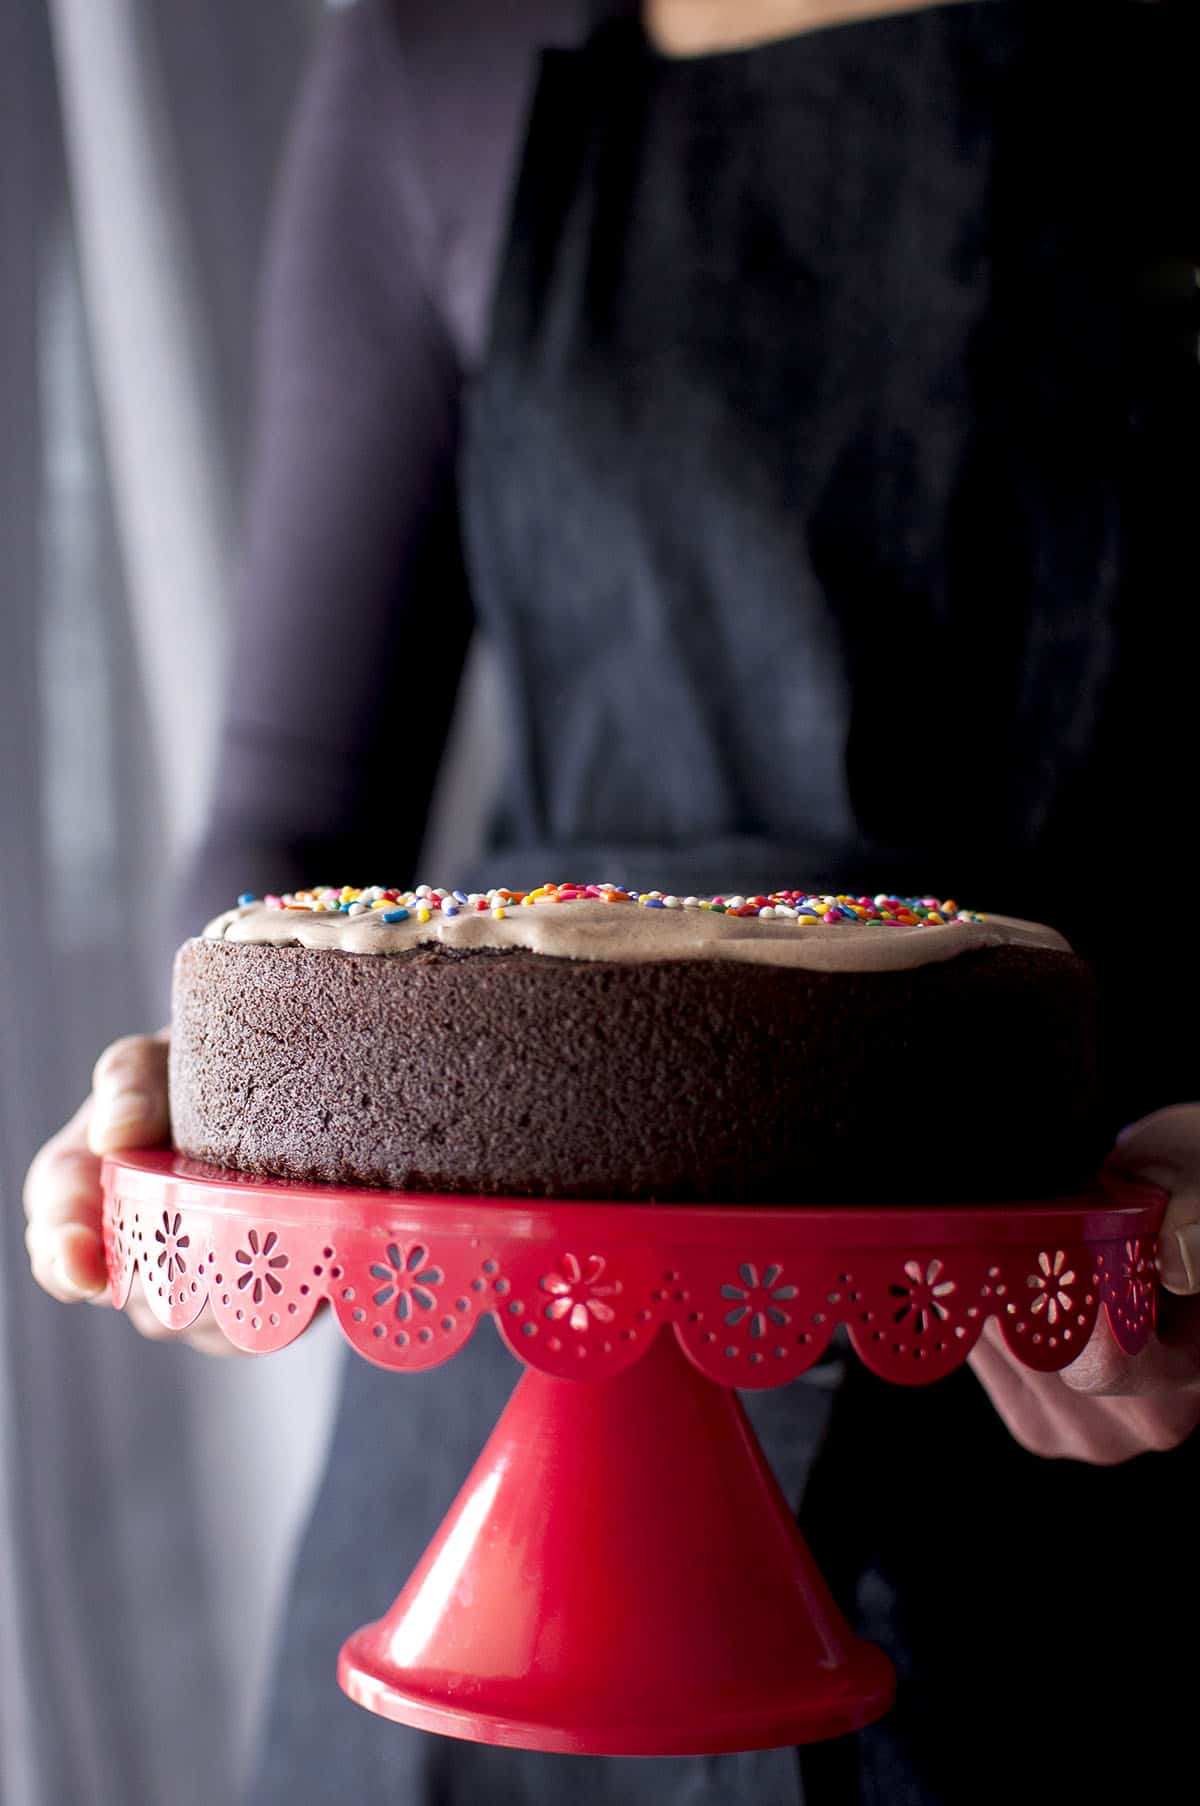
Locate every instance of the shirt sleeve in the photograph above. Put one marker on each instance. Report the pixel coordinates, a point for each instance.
(351, 619)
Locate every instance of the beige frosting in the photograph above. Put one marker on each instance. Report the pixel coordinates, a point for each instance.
(595, 930)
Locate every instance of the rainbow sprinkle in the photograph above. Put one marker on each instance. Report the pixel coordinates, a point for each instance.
(805, 908)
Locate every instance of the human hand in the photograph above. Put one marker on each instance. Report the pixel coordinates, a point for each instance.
(127, 1108)
(1108, 1406)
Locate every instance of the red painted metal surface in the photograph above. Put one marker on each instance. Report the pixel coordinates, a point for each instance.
(619, 1573)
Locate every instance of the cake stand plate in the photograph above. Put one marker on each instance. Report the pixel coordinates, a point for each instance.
(620, 1573)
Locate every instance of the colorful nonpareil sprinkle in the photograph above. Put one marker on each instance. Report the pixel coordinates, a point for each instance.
(806, 909)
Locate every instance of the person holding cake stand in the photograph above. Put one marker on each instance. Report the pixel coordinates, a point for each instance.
(802, 396)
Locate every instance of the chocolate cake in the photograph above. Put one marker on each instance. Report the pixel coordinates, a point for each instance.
(586, 1041)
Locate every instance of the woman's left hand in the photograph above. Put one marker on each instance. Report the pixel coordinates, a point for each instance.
(1108, 1406)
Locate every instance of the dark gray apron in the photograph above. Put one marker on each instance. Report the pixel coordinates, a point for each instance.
(820, 432)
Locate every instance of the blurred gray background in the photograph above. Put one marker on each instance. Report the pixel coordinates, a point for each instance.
(149, 1500)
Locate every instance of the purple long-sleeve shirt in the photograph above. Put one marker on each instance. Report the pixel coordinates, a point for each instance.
(352, 618)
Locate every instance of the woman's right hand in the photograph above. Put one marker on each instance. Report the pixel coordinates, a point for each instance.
(127, 1108)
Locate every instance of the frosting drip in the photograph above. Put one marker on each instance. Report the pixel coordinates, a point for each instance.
(603, 922)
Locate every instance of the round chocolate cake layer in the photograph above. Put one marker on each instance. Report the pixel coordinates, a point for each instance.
(514, 1072)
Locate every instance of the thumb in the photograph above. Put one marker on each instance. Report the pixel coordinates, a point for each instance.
(1164, 1149)
(129, 1095)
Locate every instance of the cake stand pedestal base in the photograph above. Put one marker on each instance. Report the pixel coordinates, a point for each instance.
(620, 1575)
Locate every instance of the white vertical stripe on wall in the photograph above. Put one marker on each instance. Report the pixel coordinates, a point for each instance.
(152, 373)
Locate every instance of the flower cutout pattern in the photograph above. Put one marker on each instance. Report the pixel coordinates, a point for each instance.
(262, 1265)
(1136, 1272)
(758, 1302)
(919, 1304)
(119, 1241)
(170, 1255)
(577, 1294)
(1051, 1284)
(410, 1279)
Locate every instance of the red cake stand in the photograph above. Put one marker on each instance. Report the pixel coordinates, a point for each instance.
(620, 1573)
